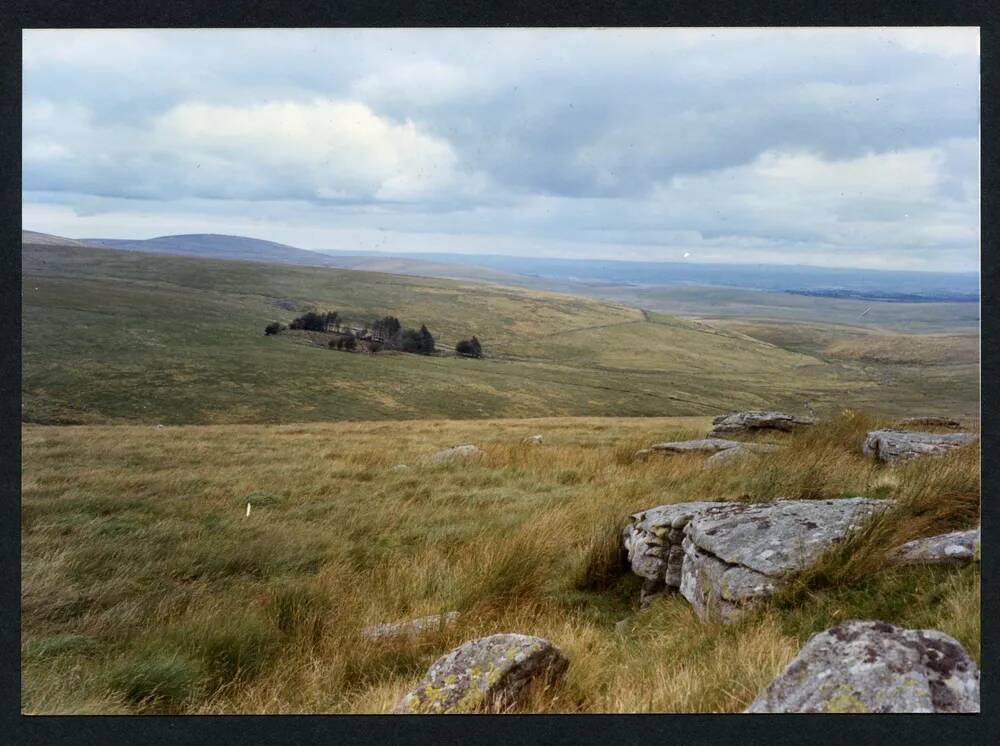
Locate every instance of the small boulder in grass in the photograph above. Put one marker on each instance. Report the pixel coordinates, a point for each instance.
(535, 439)
(456, 452)
(956, 548)
(411, 628)
(259, 499)
(489, 674)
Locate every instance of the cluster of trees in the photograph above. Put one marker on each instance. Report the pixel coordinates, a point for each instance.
(469, 348)
(391, 335)
(317, 322)
(386, 333)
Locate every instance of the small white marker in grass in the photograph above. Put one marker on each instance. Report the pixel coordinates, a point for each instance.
(248, 510)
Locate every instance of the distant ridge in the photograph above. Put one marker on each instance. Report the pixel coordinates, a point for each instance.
(595, 277)
(244, 248)
(47, 239)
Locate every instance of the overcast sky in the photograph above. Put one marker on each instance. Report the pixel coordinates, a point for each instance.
(829, 147)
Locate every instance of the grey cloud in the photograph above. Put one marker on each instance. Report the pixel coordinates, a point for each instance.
(549, 135)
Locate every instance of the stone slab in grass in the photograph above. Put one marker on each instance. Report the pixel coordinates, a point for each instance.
(901, 445)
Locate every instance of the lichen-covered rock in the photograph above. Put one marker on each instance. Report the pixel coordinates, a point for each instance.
(898, 445)
(930, 422)
(871, 666)
(723, 556)
(737, 553)
(742, 422)
(463, 451)
(412, 627)
(491, 673)
(953, 548)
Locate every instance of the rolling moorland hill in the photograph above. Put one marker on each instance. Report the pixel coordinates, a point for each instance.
(119, 336)
(948, 301)
(214, 246)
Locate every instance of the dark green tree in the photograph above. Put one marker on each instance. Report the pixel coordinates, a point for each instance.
(469, 348)
(426, 341)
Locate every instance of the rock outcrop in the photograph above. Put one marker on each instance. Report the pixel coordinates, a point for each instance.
(871, 666)
(723, 556)
(930, 422)
(653, 543)
(954, 548)
(900, 445)
(463, 451)
(412, 627)
(742, 422)
(491, 673)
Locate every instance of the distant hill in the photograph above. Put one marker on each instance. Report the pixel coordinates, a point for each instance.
(218, 246)
(47, 239)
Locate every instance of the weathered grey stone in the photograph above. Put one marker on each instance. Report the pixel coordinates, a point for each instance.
(490, 673)
(401, 467)
(706, 445)
(649, 536)
(412, 627)
(727, 456)
(897, 445)
(930, 422)
(741, 422)
(871, 666)
(463, 451)
(741, 451)
(953, 548)
(535, 439)
(723, 556)
(779, 537)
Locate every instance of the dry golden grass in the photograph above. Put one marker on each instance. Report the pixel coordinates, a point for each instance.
(147, 588)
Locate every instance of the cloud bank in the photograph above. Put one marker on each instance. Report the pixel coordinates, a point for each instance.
(837, 147)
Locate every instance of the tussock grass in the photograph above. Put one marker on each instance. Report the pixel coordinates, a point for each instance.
(148, 589)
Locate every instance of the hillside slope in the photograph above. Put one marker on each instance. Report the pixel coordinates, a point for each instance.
(216, 246)
(113, 336)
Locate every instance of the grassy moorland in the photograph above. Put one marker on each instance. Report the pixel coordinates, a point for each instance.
(126, 337)
(147, 588)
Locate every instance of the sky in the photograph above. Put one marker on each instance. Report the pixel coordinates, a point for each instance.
(828, 147)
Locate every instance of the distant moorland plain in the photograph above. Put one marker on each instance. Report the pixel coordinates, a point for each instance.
(119, 336)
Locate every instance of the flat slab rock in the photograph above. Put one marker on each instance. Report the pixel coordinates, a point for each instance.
(491, 673)
(741, 422)
(702, 445)
(411, 627)
(900, 445)
(952, 548)
(463, 451)
(871, 666)
(723, 556)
